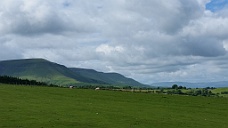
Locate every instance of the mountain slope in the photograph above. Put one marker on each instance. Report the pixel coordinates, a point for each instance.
(37, 69)
(41, 70)
(49, 72)
(110, 78)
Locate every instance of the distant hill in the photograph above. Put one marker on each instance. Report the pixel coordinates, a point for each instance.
(53, 73)
(110, 78)
(193, 85)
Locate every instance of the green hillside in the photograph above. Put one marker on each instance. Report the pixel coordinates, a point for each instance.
(41, 70)
(53, 73)
(221, 91)
(109, 78)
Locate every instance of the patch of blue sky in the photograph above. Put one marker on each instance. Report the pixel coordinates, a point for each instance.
(216, 5)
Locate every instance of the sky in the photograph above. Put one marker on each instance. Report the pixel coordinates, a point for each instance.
(147, 40)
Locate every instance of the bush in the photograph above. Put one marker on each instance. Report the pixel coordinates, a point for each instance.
(224, 92)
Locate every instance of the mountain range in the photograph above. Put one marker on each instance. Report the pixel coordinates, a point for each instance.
(52, 73)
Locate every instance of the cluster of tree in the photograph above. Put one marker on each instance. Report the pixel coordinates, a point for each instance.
(175, 86)
(193, 92)
(224, 92)
(210, 88)
(200, 92)
(18, 81)
(176, 91)
(104, 87)
(86, 87)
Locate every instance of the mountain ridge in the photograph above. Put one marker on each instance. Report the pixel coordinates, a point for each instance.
(110, 78)
(53, 73)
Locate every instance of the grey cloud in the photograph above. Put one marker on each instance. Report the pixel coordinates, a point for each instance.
(9, 50)
(167, 17)
(147, 40)
(207, 47)
(38, 17)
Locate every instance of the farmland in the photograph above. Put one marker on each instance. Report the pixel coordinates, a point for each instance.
(33, 106)
(220, 91)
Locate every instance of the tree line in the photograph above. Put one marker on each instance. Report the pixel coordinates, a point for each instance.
(19, 81)
(175, 89)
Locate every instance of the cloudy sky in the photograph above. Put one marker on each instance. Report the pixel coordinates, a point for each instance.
(148, 40)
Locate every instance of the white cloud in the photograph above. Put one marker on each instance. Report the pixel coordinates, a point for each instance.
(148, 40)
(225, 44)
(107, 50)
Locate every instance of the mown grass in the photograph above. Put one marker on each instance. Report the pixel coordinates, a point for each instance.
(46, 107)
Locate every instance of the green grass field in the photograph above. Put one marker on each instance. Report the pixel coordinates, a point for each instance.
(47, 107)
(219, 90)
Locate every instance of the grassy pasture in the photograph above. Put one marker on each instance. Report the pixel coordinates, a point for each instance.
(46, 107)
(219, 90)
